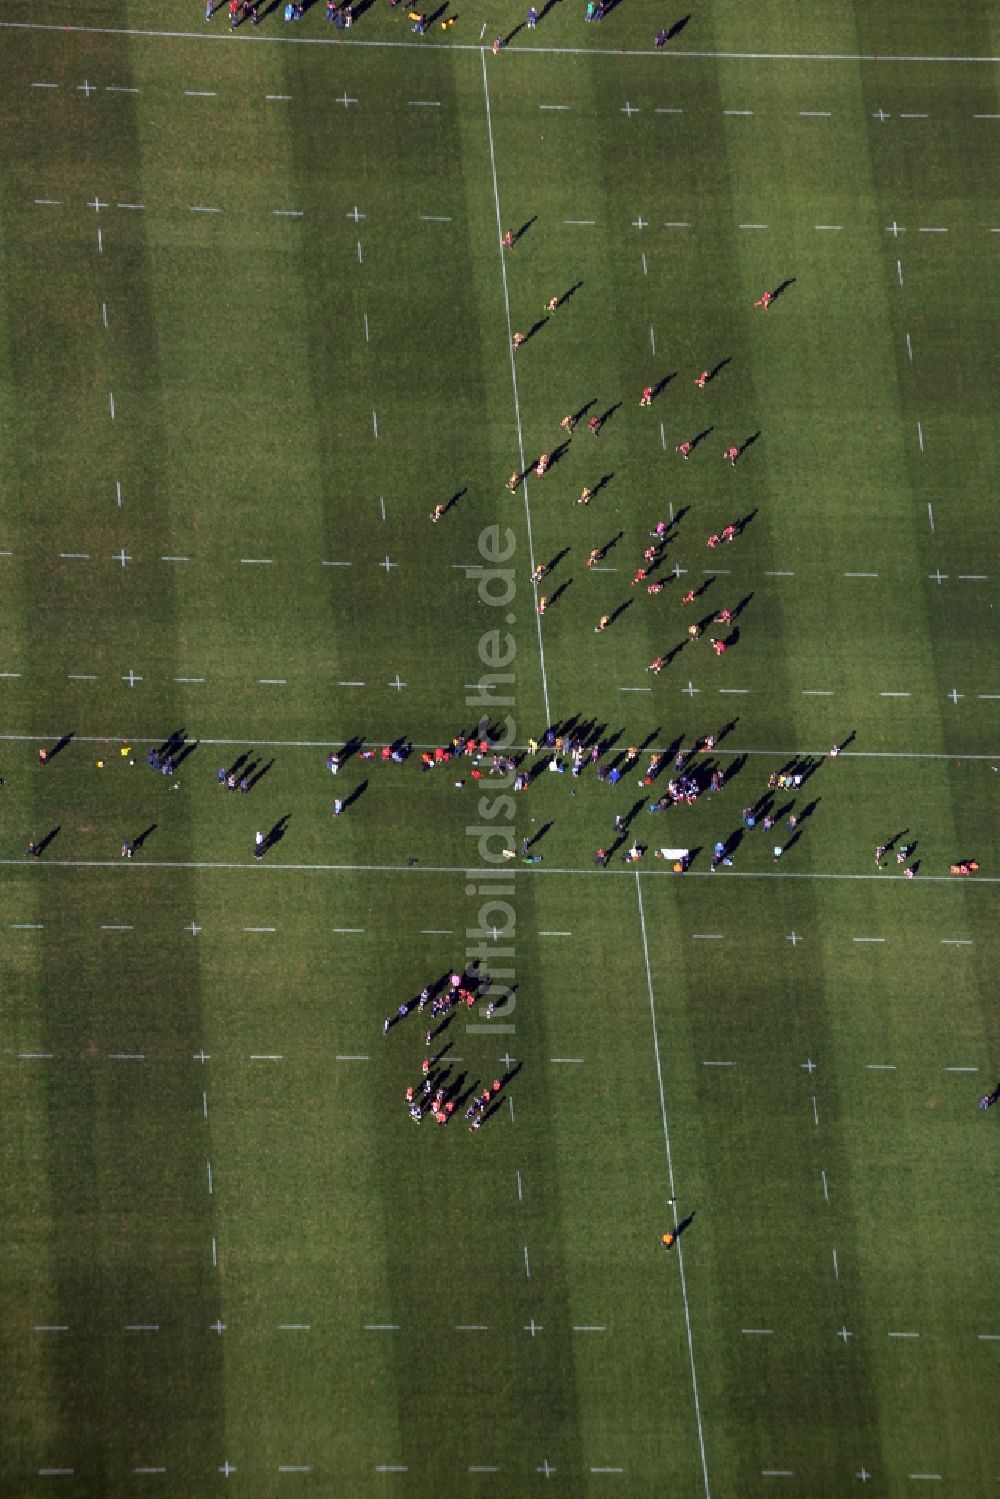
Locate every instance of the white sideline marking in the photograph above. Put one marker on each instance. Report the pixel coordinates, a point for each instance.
(679, 224)
(142, 1327)
(607, 1470)
(74, 556)
(579, 221)
(35, 1056)
(272, 681)
(50, 1328)
(961, 1069)
(815, 1111)
(708, 936)
(816, 692)
(923, 230)
(861, 575)
(777, 1473)
(930, 512)
(435, 218)
(381, 1327)
(111, 403)
(668, 111)
(277, 96)
(259, 929)
(899, 271)
(555, 934)
(471, 1327)
(484, 1470)
(920, 436)
(513, 378)
(265, 1056)
(26, 926)
(126, 1056)
(54, 1472)
(895, 694)
(425, 103)
(375, 421)
(735, 691)
(520, 1192)
(337, 564)
(110, 927)
(673, 1192)
(752, 226)
(590, 1327)
(904, 1335)
(527, 1268)
(989, 1337)
(829, 226)
(55, 85)
(342, 929)
(352, 1059)
(757, 1332)
(175, 559)
(293, 1468)
(576, 1061)
(257, 561)
(779, 575)
(836, 1267)
(194, 93)
(973, 577)
(47, 202)
(718, 1064)
(880, 1066)
(389, 1468)
(188, 680)
(294, 1327)
(815, 114)
(201, 208)
(867, 939)
(286, 213)
(957, 941)
(9, 674)
(826, 1190)
(135, 207)
(553, 106)
(925, 1475)
(737, 111)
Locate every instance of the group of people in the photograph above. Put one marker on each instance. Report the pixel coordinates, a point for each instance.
(438, 1093)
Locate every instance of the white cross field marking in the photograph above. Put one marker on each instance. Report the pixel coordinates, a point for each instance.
(844, 1334)
(863, 1474)
(131, 679)
(217, 1327)
(955, 696)
(397, 683)
(793, 938)
(508, 1060)
(201, 1056)
(690, 689)
(387, 563)
(640, 222)
(533, 1327)
(545, 1468)
(938, 577)
(881, 116)
(808, 1066)
(356, 214)
(227, 1468)
(629, 109)
(96, 204)
(86, 88)
(895, 229)
(122, 557)
(345, 100)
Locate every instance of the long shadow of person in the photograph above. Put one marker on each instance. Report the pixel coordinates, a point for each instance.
(49, 838)
(274, 837)
(146, 833)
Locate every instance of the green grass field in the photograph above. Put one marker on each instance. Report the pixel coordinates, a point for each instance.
(255, 324)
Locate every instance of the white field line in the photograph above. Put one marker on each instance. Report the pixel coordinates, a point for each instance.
(673, 1192)
(324, 744)
(513, 379)
(323, 41)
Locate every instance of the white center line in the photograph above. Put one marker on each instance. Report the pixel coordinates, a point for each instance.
(670, 1178)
